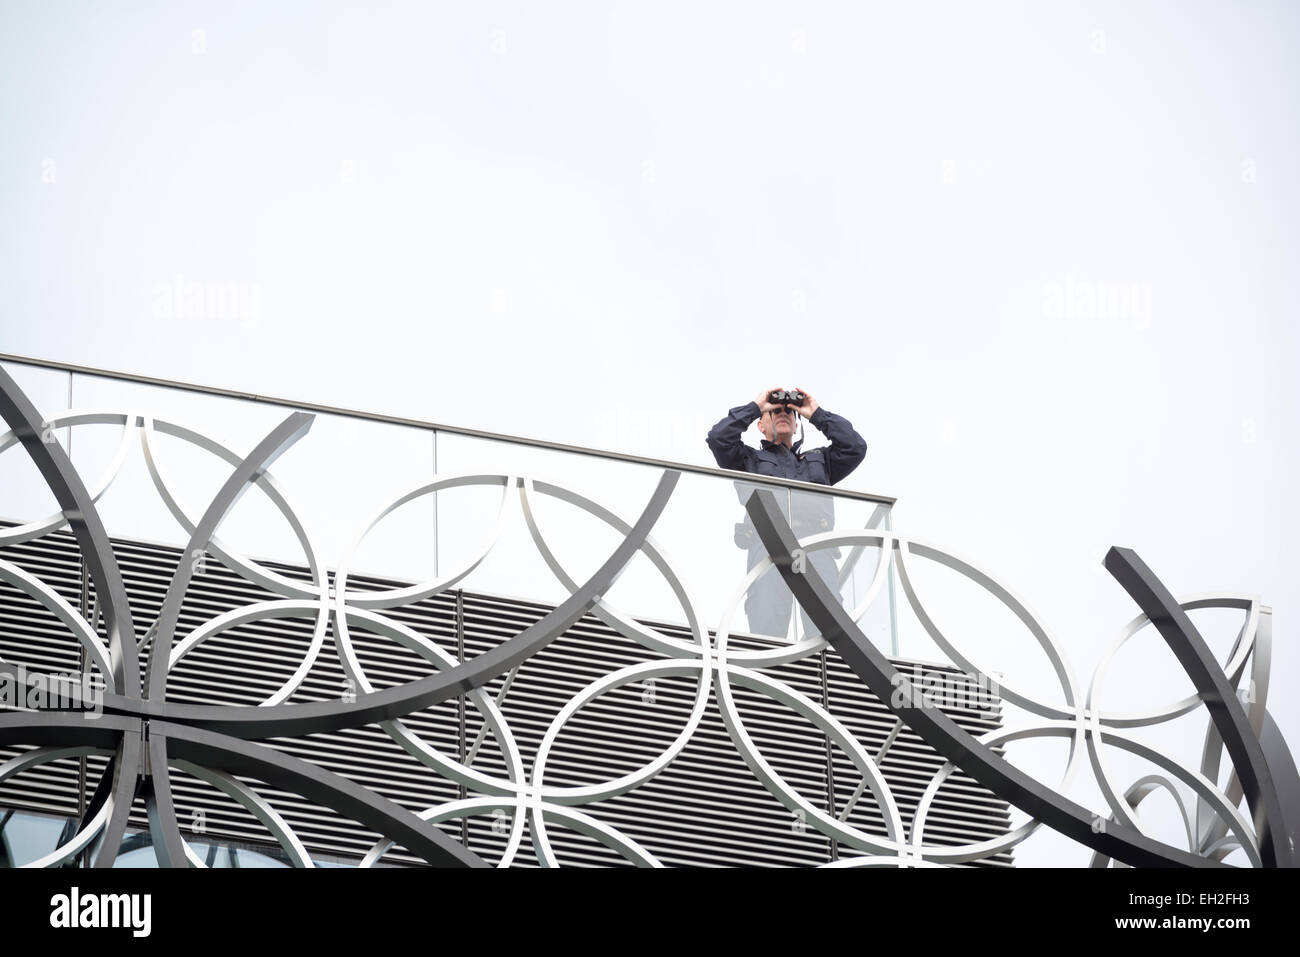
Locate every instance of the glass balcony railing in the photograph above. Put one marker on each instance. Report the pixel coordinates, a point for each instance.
(443, 505)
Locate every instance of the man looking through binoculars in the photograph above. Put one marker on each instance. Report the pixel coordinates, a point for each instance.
(780, 455)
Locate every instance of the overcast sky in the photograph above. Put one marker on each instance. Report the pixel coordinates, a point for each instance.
(1041, 255)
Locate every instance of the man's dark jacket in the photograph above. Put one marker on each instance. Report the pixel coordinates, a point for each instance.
(812, 512)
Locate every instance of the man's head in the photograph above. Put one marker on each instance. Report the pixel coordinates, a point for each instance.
(779, 425)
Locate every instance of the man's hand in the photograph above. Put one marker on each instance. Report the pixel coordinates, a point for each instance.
(809, 403)
(763, 404)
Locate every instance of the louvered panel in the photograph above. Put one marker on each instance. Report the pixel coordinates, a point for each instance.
(963, 811)
(707, 808)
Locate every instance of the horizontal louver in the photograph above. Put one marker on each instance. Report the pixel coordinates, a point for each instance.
(705, 809)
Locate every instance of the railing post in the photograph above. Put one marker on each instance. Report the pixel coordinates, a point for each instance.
(435, 505)
(84, 606)
(893, 606)
(463, 746)
(830, 752)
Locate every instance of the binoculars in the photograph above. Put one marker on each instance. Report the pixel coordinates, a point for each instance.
(785, 397)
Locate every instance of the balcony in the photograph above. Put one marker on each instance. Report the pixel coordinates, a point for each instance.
(635, 682)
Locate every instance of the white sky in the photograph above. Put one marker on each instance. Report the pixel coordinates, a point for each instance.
(1038, 254)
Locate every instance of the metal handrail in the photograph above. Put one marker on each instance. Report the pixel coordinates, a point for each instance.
(452, 429)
